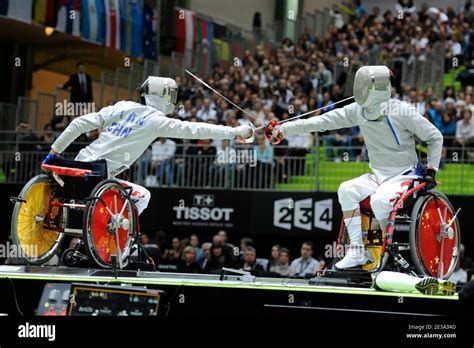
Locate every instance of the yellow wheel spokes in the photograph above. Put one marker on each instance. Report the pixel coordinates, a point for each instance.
(35, 240)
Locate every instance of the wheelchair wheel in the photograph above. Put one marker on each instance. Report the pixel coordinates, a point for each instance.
(37, 242)
(434, 253)
(68, 259)
(104, 224)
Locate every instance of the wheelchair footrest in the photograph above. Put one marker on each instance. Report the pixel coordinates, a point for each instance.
(351, 276)
(141, 266)
(349, 273)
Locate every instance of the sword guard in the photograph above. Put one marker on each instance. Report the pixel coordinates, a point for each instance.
(269, 132)
(250, 139)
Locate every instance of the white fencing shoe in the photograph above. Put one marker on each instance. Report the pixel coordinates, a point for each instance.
(394, 281)
(355, 256)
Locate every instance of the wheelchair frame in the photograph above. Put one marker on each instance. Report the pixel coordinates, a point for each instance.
(390, 248)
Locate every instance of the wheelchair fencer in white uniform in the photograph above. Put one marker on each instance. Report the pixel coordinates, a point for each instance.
(389, 127)
(40, 219)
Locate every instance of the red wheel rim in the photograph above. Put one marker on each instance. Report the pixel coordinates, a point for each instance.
(105, 242)
(429, 247)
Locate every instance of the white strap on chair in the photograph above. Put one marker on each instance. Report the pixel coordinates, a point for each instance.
(58, 179)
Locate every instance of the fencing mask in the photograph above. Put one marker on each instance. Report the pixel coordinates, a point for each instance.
(372, 88)
(160, 93)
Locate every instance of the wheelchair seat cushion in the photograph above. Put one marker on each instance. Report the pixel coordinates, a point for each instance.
(65, 167)
(66, 171)
(365, 204)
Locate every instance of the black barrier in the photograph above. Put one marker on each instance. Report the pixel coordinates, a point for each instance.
(243, 213)
(270, 217)
(285, 218)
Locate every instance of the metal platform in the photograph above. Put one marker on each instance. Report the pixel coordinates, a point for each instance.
(260, 296)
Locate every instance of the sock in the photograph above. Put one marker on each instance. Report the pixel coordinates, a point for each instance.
(395, 281)
(354, 228)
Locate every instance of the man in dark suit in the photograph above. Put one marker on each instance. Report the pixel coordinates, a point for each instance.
(80, 85)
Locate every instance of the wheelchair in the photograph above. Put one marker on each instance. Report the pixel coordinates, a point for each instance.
(75, 199)
(422, 237)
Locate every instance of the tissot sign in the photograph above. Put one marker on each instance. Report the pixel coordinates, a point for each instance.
(203, 212)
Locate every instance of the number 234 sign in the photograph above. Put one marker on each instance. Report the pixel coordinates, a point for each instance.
(304, 214)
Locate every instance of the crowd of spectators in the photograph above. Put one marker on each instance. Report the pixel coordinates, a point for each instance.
(312, 73)
(301, 76)
(188, 255)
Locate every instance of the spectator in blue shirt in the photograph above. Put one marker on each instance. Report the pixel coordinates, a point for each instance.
(305, 264)
(436, 113)
(326, 100)
(264, 151)
(360, 10)
(264, 162)
(448, 125)
(194, 242)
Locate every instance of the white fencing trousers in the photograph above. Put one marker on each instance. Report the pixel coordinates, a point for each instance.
(383, 195)
(140, 195)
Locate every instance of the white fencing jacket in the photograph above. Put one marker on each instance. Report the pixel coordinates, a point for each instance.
(390, 140)
(127, 129)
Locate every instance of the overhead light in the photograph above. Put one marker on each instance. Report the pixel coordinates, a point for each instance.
(49, 31)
